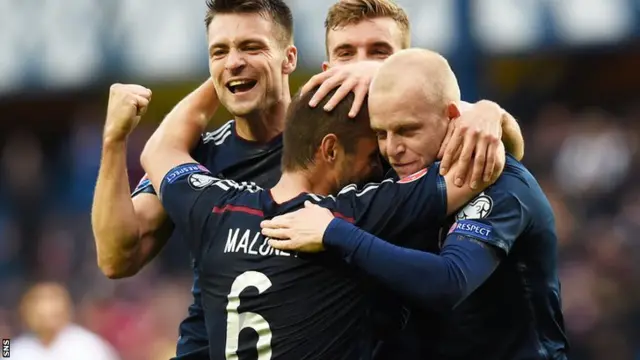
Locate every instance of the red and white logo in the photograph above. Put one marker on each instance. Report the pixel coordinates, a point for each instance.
(413, 177)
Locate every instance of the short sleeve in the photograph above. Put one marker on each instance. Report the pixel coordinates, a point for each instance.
(144, 187)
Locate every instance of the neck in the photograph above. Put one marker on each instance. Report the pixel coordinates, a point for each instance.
(47, 338)
(293, 183)
(264, 125)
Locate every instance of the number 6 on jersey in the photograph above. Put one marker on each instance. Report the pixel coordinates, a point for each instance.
(238, 321)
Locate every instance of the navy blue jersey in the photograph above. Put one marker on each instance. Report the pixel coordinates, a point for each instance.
(268, 304)
(227, 155)
(516, 313)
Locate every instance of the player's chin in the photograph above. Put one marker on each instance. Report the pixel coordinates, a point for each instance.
(405, 170)
(242, 108)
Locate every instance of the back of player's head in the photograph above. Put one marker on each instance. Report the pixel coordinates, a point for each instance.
(349, 12)
(276, 10)
(307, 126)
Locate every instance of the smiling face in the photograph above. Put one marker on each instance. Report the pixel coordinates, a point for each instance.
(248, 61)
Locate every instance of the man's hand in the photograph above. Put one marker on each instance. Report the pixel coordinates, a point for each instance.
(354, 78)
(473, 138)
(127, 104)
(301, 230)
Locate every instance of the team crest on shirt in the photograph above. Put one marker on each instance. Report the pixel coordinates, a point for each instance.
(413, 177)
(478, 208)
(201, 181)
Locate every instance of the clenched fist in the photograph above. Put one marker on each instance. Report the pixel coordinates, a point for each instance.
(127, 104)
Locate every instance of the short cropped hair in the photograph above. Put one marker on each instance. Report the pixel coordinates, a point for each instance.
(276, 10)
(306, 126)
(349, 12)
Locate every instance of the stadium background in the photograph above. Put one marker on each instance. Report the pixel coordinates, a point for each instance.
(568, 70)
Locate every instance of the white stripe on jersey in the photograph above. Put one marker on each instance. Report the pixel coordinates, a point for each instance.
(364, 190)
(219, 135)
(223, 127)
(224, 137)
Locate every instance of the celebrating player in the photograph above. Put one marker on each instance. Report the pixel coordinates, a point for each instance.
(249, 67)
(495, 278)
(300, 307)
(251, 56)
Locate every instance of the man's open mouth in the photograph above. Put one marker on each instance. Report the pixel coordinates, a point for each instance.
(240, 86)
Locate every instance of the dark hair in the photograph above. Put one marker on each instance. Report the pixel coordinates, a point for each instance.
(306, 126)
(275, 10)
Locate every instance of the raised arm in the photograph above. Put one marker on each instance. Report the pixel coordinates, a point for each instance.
(171, 143)
(130, 232)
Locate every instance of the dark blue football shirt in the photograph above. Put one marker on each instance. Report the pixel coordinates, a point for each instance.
(268, 304)
(495, 284)
(517, 312)
(229, 156)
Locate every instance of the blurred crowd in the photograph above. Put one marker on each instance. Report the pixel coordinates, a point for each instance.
(585, 158)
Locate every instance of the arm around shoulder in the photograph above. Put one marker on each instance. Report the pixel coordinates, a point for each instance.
(457, 196)
(512, 136)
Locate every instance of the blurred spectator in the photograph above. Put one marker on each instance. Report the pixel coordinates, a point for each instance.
(22, 161)
(46, 310)
(595, 157)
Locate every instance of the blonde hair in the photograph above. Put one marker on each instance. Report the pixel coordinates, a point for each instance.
(348, 12)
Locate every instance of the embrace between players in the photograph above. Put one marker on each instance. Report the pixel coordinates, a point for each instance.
(453, 259)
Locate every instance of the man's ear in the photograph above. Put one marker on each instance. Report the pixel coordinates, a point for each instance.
(291, 60)
(453, 111)
(329, 148)
(325, 66)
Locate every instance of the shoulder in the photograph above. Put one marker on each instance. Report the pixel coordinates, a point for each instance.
(80, 335)
(24, 341)
(237, 186)
(26, 347)
(517, 181)
(516, 192)
(356, 190)
(515, 170)
(225, 191)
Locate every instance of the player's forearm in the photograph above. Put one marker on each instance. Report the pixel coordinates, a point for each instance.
(429, 280)
(113, 217)
(512, 136)
(182, 127)
(190, 117)
(179, 132)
